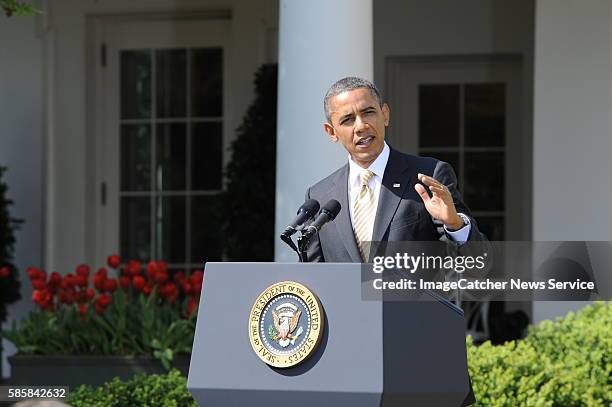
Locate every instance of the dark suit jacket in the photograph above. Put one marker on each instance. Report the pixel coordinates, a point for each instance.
(400, 216)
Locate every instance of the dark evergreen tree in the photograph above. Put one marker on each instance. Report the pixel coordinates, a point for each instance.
(248, 202)
(9, 283)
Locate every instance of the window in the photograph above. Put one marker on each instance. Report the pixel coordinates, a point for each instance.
(464, 124)
(171, 154)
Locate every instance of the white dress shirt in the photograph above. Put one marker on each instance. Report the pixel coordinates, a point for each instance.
(378, 168)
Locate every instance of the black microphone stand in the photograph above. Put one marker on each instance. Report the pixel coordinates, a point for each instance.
(301, 249)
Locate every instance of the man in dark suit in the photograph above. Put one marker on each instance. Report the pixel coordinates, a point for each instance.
(381, 190)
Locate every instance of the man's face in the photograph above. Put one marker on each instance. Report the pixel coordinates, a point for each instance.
(358, 122)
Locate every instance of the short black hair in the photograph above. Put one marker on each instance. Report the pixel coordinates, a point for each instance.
(347, 84)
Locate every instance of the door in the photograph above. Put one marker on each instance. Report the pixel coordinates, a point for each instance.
(160, 135)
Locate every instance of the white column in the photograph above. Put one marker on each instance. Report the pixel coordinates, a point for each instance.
(320, 41)
(572, 184)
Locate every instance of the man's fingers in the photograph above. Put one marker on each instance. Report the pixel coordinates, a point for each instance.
(427, 180)
(422, 192)
(438, 190)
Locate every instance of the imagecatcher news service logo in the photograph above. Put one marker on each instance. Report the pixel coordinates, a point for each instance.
(285, 324)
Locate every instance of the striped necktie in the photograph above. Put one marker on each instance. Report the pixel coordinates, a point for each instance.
(364, 214)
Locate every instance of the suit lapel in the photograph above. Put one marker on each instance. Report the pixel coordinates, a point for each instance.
(339, 192)
(397, 173)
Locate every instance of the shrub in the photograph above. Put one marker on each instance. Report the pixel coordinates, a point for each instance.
(249, 197)
(559, 364)
(168, 390)
(9, 283)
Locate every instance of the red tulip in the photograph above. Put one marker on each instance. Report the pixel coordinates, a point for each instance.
(160, 277)
(38, 284)
(134, 267)
(187, 288)
(152, 269)
(163, 267)
(83, 270)
(102, 272)
(197, 277)
(104, 299)
(113, 261)
(33, 273)
(98, 281)
(37, 296)
(179, 277)
(82, 309)
(81, 281)
(110, 285)
(124, 282)
(56, 278)
(69, 281)
(138, 282)
(5, 272)
(192, 305)
(90, 293)
(147, 289)
(197, 289)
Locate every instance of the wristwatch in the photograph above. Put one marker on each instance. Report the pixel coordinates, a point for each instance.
(466, 221)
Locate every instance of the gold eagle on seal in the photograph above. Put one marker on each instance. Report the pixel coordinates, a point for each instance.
(286, 318)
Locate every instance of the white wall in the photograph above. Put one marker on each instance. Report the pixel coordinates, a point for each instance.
(450, 27)
(21, 144)
(68, 231)
(572, 126)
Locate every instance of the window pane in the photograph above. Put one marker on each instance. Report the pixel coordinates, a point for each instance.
(206, 156)
(171, 82)
(135, 157)
(207, 82)
(170, 228)
(135, 84)
(484, 181)
(171, 156)
(136, 228)
(449, 157)
(491, 226)
(205, 229)
(485, 114)
(439, 115)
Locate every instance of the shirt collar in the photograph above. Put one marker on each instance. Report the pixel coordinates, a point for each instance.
(377, 167)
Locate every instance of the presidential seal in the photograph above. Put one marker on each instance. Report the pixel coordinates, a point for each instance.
(285, 324)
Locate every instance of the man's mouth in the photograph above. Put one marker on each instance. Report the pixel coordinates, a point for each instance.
(365, 142)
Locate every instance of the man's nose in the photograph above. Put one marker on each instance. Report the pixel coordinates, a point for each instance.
(360, 124)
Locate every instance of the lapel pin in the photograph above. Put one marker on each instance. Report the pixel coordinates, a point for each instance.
(396, 185)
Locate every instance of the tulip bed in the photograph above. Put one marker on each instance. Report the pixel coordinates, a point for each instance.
(138, 311)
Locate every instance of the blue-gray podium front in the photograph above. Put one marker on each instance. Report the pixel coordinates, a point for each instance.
(373, 353)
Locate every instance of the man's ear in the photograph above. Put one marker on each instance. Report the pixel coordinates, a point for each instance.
(386, 113)
(331, 132)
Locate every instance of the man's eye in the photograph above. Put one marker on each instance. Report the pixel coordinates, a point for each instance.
(346, 121)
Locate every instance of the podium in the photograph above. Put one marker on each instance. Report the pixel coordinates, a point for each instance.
(371, 353)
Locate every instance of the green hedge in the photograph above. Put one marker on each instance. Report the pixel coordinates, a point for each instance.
(169, 390)
(559, 364)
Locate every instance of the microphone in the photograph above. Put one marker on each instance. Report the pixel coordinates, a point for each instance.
(306, 212)
(327, 214)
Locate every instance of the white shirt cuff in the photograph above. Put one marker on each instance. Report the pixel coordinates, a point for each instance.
(460, 235)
